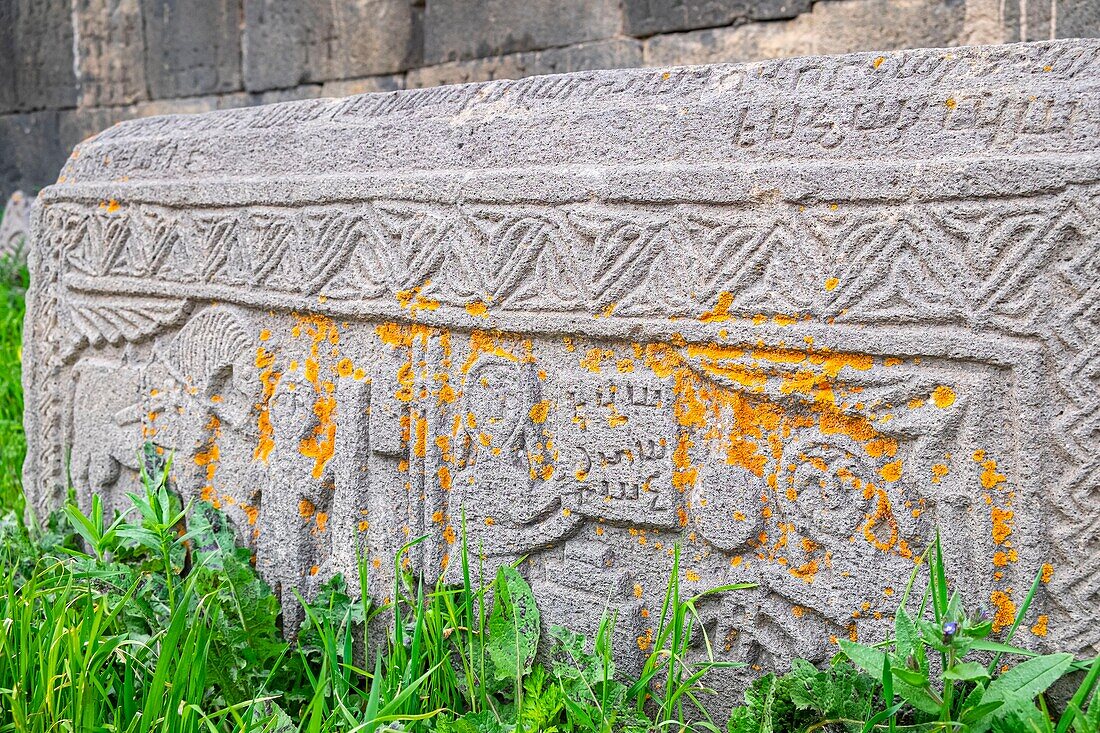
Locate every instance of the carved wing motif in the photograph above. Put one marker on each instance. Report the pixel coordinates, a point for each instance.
(132, 320)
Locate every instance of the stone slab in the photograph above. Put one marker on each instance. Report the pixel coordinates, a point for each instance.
(110, 52)
(289, 43)
(791, 315)
(455, 29)
(830, 28)
(648, 17)
(36, 55)
(613, 54)
(192, 47)
(15, 227)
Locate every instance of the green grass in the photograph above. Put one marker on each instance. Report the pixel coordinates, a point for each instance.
(13, 285)
(156, 620)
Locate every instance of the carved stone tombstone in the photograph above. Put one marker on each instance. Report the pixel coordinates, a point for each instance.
(15, 227)
(792, 316)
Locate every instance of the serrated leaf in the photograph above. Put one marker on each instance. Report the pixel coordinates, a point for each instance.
(1019, 686)
(907, 636)
(513, 626)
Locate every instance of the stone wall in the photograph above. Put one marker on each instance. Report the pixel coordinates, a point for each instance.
(70, 68)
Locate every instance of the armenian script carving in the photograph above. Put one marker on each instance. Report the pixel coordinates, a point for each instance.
(795, 377)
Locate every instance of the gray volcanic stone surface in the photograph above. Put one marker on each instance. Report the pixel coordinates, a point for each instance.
(15, 227)
(790, 315)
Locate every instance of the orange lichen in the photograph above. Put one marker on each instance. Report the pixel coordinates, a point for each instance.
(1004, 610)
(1047, 572)
(1040, 627)
(943, 396)
(806, 571)
(721, 309)
(539, 412)
(1002, 524)
(879, 447)
(882, 516)
(990, 478)
(420, 442)
(891, 472)
(831, 283)
(269, 380)
(413, 301)
(477, 309)
(594, 357)
(321, 444)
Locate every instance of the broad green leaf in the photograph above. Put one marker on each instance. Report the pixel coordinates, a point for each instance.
(1017, 687)
(513, 626)
(871, 660)
(866, 658)
(909, 677)
(1026, 719)
(967, 671)
(1073, 712)
(907, 636)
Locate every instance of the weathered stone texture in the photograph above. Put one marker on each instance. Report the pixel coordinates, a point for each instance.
(1032, 21)
(831, 28)
(192, 47)
(110, 52)
(15, 227)
(291, 43)
(649, 17)
(30, 148)
(456, 29)
(616, 54)
(36, 55)
(135, 57)
(792, 315)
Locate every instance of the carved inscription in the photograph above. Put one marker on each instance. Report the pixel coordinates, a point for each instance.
(618, 435)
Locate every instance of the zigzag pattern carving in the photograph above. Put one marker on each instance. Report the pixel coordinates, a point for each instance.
(948, 262)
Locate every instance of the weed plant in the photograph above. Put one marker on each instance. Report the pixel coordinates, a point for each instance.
(940, 672)
(13, 286)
